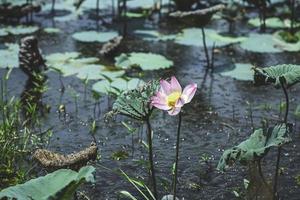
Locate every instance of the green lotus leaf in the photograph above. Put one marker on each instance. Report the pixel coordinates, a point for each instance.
(153, 35)
(272, 22)
(69, 64)
(9, 56)
(19, 30)
(241, 71)
(289, 74)
(94, 36)
(261, 43)
(3, 32)
(256, 146)
(116, 85)
(59, 185)
(146, 61)
(193, 37)
(135, 103)
(52, 30)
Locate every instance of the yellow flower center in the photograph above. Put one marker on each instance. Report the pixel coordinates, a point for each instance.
(172, 98)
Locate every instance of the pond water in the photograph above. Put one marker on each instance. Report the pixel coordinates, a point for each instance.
(216, 119)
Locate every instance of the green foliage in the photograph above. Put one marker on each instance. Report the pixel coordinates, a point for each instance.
(114, 85)
(18, 136)
(256, 146)
(289, 37)
(18, 30)
(241, 71)
(9, 56)
(136, 103)
(287, 41)
(272, 22)
(120, 155)
(93, 36)
(266, 43)
(141, 187)
(146, 61)
(193, 37)
(288, 74)
(59, 185)
(297, 112)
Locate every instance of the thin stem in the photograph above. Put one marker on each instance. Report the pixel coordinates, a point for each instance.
(152, 171)
(177, 157)
(262, 175)
(97, 8)
(53, 7)
(292, 16)
(205, 47)
(279, 148)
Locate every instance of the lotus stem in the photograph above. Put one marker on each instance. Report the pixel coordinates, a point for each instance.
(152, 170)
(177, 157)
(205, 47)
(212, 65)
(97, 8)
(292, 2)
(53, 7)
(279, 148)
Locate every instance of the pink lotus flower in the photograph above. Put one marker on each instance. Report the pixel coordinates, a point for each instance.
(170, 96)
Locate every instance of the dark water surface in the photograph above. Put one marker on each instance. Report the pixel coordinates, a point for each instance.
(215, 120)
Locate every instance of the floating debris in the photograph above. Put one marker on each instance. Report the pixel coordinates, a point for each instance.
(53, 161)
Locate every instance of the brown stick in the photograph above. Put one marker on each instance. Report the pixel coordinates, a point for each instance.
(201, 12)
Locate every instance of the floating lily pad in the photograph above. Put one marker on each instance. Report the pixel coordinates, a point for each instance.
(134, 15)
(18, 30)
(273, 22)
(9, 56)
(153, 35)
(112, 74)
(66, 18)
(3, 32)
(193, 37)
(241, 71)
(261, 43)
(146, 61)
(117, 85)
(52, 30)
(69, 64)
(93, 36)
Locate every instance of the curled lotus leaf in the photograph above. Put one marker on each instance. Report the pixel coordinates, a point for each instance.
(256, 146)
(288, 74)
(136, 103)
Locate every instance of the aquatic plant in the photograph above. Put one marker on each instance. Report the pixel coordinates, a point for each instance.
(259, 143)
(261, 5)
(136, 104)
(281, 76)
(171, 98)
(17, 139)
(61, 184)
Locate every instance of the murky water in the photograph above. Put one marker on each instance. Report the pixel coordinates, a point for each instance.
(215, 120)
